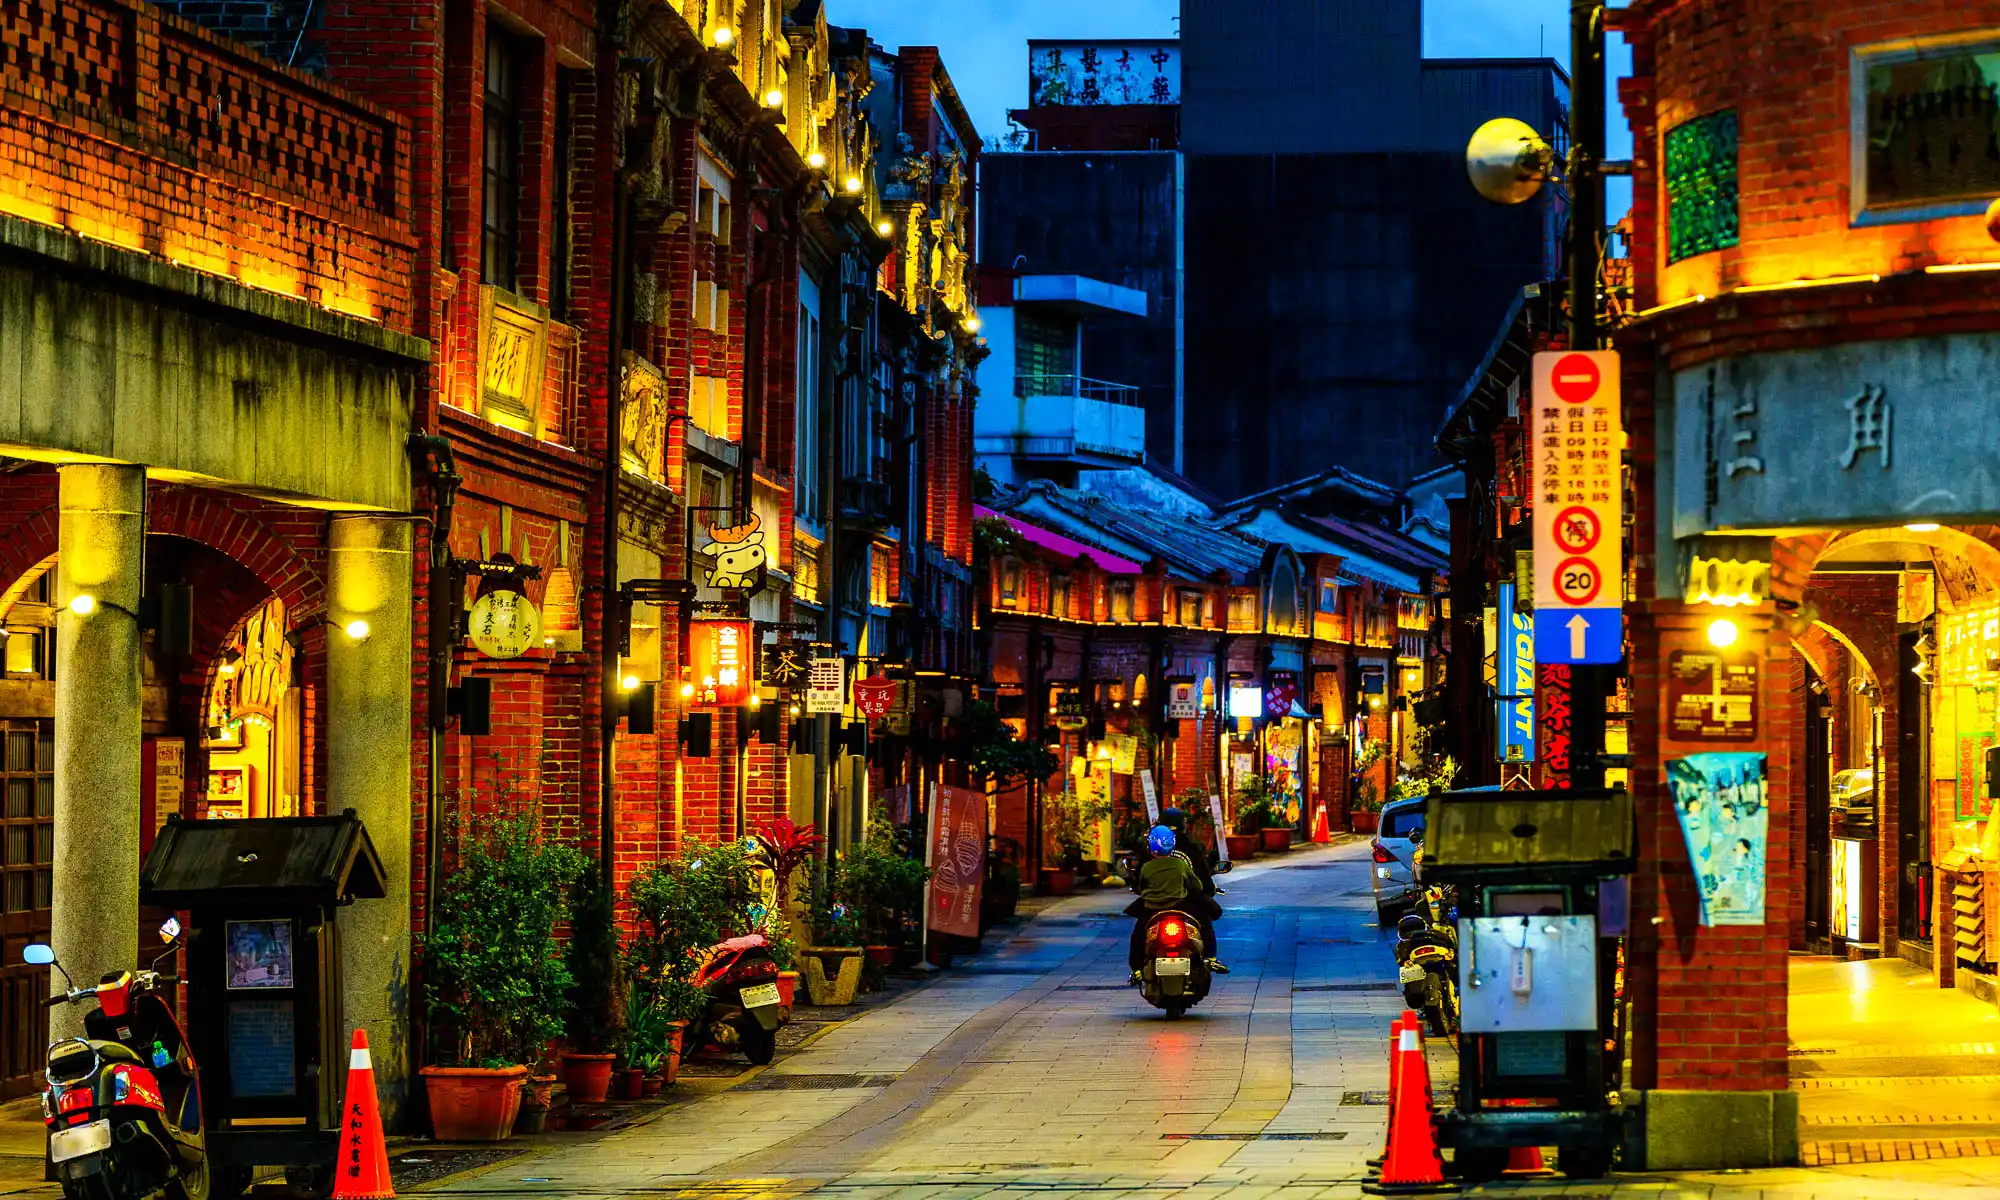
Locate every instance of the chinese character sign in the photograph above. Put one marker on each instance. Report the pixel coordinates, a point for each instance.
(1719, 798)
(719, 658)
(957, 860)
(1574, 446)
(786, 664)
(875, 697)
(826, 690)
(505, 624)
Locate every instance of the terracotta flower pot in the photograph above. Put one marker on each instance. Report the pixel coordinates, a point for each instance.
(650, 1085)
(881, 957)
(474, 1104)
(1362, 822)
(536, 1098)
(1242, 846)
(1276, 840)
(1058, 881)
(670, 1070)
(832, 974)
(588, 1077)
(788, 991)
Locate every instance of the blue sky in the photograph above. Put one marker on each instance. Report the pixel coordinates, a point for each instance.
(984, 42)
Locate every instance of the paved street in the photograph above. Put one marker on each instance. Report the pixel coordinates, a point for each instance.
(1036, 1071)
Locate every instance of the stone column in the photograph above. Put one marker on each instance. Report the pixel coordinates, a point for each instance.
(369, 565)
(101, 537)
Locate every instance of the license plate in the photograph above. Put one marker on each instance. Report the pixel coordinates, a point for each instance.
(761, 995)
(65, 1144)
(1411, 973)
(1173, 966)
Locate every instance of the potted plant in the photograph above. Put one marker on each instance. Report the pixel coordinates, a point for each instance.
(682, 907)
(537, 1096)
(1367, 806)
(884, 887)
(1274, 831)
(833, 964)
(1253, 813)
(596, 1010)
(496, 983)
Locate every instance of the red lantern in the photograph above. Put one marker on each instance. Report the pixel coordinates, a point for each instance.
(875, 697)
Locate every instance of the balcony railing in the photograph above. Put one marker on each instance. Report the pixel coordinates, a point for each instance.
(1077, 385)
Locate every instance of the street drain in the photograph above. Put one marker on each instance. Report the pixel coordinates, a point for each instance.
(1093, 987)
(1253, 1137)
(998, 970)
(772, 1082)
(1347, 987)
(1440, 1095)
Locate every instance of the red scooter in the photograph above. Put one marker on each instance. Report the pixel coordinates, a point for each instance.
(741, 981)
(123, 1104)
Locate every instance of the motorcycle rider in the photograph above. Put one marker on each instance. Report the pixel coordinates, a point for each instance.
(1165, 882)
(1204, 872)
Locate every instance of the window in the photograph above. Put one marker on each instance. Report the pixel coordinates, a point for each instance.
(1124, 595)
(1925, 116)
(562, 235)
(806, 471)
(1701, 185)
(1044, 356)
(28, 789)
(711, 496)
(1243, 610)
(879, 576)
(1402, 822)
(1059, 597)
(501, 209)
(1010, 583)
(708, 405)
(1329, 595)
(1187, 606)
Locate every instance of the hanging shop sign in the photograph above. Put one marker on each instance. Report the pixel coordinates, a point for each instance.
(1183, 700)
(826, 686)
(1515, 681)
(1579, 508)
(505, 624)
(1730, 572)
(1124, 753)
(1281, 691)
(1071, 712)
(1711, 696)
(1245, 702)
(875, 696)
(786, 665)
(1554, 721)
(741, 553)
(720, 663)
(1719, 799)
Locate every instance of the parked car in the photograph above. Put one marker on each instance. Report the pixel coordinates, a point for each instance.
(1394, 873)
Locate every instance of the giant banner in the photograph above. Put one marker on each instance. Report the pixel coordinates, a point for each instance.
(957, 860)
(1720, 800)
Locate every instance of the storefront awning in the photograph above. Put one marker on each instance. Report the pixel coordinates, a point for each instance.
(1066, 547)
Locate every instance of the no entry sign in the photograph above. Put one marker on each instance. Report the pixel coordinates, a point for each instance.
(1576, 440)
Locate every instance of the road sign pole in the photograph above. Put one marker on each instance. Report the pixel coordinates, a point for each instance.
(1590, 685)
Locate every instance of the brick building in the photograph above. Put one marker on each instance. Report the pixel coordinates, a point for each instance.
(1814, 304)
(662, 326)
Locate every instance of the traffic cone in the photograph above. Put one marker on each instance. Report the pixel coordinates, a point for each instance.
(362, 1171)
(1396, 1028)
(1524, 1160)
(1320, 833)
(1412, 1164)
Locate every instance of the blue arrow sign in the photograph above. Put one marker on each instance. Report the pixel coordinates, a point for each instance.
(1579, 635)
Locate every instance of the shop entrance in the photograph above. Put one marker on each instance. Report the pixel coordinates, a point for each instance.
(1895, 966)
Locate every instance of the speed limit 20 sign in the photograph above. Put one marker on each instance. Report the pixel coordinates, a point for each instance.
(1575, 444)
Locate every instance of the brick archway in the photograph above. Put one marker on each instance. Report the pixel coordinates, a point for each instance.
(244, 531)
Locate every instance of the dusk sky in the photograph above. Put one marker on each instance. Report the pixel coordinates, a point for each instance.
(985, 42)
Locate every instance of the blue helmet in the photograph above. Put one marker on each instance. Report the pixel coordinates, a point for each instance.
(1161, 840)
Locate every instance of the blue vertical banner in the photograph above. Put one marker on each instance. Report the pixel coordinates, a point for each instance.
(1720, 800)
(1514, 681)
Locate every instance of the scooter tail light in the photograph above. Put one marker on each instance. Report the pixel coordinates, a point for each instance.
(1172, 932)
(1382, 854)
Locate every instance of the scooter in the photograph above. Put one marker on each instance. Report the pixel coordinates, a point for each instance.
(1174, 975)
(741, 981)
(123, 1105)
(1427, 958)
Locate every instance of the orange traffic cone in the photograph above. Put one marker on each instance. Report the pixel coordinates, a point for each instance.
(362, 1171)
(1320, 833)
(1396, 1027)
(1524, 1160)
(1412, 1164)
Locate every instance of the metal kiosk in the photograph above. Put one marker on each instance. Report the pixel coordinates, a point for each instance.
(264, 986)
(1537, 1043)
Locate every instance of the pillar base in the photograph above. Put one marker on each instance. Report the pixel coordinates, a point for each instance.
(1711, 1131)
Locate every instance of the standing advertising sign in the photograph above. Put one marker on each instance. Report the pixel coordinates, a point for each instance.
(1152, 797)
(1221, 841)
(1579, 508)
(1514, 682)
(957, 859)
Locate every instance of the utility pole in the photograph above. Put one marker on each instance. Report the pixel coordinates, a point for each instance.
(1590, 685)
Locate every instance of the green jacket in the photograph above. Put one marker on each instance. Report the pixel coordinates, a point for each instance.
(1167, 881)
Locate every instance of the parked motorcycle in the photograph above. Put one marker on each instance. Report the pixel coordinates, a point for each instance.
(741, 981)
(123, 1105)
(1175, 974)
(1427, 956)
